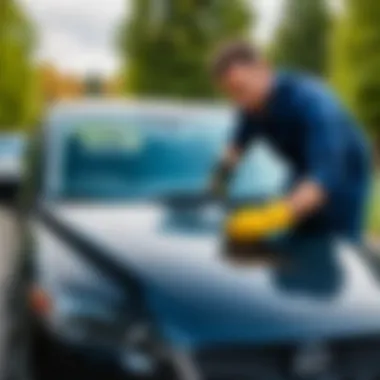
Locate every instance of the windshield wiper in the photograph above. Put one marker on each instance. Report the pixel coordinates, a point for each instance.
(188, 198)
(198, 199)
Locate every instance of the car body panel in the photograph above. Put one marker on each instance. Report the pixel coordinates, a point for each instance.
(318, 288)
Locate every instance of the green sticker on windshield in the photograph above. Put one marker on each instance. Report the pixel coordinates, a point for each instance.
(107, 137)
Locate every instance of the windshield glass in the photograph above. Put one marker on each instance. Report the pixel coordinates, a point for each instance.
(113, 157)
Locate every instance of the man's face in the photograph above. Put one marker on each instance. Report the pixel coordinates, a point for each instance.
(247, 85)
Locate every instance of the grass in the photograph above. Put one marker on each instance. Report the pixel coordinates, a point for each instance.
(374, 212)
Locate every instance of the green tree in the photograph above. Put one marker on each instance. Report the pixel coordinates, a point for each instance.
(165, 43)
(355, 66)
(301, 39)
(16, 70)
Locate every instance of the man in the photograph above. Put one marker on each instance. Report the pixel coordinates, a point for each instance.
(308, 126)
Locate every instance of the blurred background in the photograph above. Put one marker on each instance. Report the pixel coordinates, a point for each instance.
(69, 49)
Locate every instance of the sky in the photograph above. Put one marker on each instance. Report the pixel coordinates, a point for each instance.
(78, 35)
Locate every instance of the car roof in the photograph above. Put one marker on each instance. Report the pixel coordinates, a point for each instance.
(147, 106)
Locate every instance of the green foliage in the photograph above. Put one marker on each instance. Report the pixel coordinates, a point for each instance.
(16, 79)
(301, 40)
(339, 61)
(374, 208)
(356, 63)
(34, 99)
(166, 43)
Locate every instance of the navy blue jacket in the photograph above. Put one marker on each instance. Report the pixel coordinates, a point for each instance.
(309, 127)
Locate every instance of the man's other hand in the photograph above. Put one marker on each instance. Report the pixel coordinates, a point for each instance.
(223, 172)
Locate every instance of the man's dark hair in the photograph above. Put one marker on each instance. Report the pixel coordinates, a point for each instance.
(238, 52)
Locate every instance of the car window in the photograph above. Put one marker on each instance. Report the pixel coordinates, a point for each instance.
(11, 146)
(132, 156)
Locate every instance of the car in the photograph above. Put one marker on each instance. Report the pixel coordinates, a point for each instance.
(12, 149)
(131, 275)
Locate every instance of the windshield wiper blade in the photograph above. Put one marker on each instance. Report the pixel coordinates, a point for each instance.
(198, 199)
(189, 198)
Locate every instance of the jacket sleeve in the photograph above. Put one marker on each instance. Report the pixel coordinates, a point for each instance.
(325, 142)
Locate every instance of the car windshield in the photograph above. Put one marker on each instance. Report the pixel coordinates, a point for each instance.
(128, 156)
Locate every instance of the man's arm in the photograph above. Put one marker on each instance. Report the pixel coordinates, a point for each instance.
(307, 198)
(323, 146)
(242, 137)
(225, 169)
(324, 152)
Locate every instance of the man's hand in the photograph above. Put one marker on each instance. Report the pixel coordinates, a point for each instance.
(223, 173)
(307, 198)
(220, 181)
(258, 223)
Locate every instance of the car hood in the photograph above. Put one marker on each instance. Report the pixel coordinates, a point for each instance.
(317, 288)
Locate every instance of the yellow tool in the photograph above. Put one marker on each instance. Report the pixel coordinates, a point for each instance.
(257, 223)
